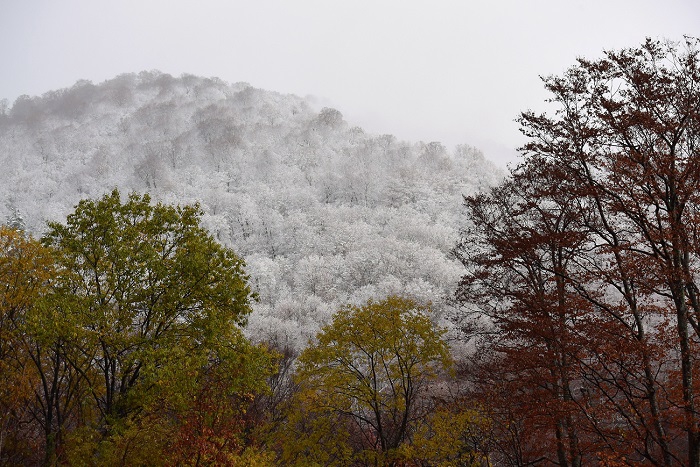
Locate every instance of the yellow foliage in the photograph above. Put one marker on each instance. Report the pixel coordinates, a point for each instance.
(25, 268)
(364, 384)
(451, 438)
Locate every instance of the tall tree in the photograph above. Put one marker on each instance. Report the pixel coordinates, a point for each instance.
(149, 304)
(623, 147)
(628, 133)
(519, 250)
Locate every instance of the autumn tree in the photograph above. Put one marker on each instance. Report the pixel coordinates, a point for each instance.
(629, 135)
(520, 246)
(620, 153)
(25, 269)
(150, 308)
(41, 391)
(367, 376)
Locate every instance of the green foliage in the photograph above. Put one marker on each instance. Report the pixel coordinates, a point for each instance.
(367, 375)
(312, 436)
(142, 286)
(138, 339)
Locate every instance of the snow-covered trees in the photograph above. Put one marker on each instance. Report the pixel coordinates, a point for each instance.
(326, 213)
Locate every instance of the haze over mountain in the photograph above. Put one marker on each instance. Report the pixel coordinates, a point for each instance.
(323, 213)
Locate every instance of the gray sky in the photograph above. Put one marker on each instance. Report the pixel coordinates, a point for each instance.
(438, 70)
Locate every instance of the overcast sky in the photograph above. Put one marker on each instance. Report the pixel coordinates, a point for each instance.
(449, 71)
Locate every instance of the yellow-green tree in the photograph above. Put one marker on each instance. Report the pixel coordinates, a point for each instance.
(367, 376)
(150, 308)
(454, 435)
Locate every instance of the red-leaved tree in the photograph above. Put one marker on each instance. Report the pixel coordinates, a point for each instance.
(585, 261)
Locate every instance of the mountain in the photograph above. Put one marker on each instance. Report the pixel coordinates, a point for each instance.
(323, 213)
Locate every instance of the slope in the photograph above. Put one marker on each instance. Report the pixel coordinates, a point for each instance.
(324, 213)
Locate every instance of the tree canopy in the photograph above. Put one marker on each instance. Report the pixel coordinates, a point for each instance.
(585, 262)
(121, 339)
(136, 338)
(369, 373)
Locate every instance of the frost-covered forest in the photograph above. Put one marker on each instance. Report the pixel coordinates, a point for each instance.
(197, 273)
(323, 213)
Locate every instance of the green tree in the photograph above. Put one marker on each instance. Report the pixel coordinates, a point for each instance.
(150, 307)
(369, 374)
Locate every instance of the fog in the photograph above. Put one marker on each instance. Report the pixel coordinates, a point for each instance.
(449, 71)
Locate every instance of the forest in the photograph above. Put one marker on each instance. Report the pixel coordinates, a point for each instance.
(198, 273)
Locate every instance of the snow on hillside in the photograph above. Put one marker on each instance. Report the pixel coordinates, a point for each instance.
(323, 213)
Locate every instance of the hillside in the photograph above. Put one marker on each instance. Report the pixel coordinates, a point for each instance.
(323, 213)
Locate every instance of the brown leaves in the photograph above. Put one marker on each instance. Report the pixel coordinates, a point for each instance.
(586, 261)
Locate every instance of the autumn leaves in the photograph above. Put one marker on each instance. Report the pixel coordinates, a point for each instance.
(121, 341)
(123, 329)
(585, 262)
(122, 345)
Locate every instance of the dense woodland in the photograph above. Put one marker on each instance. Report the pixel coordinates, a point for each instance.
(197, 273)
(323, 213)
